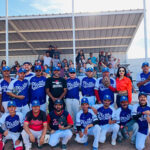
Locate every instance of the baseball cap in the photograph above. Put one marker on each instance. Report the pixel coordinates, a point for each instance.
(107, 97)
(22, 70)
(5, 68)
(35, 103)
(56, 69)
(58, 101)
(142, 93)
(105, 69)
(84, 100)
(123, 99)
(11, 103)
(145, 64)
(72, 70)
(89, 69)
(27, 63)
(37, 67)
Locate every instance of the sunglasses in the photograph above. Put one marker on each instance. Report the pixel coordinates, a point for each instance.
(38, 71)
(72, 72)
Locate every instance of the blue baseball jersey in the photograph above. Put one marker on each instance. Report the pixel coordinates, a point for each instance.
(14, 123)
(84, 119)
(29, 76)
(37, 89)
(105, 90)
(142, 121)
(87, 86)
(142, 77)
(123, 116)
(104, 115)
(3, 89)
(19, 88)
(73, 86)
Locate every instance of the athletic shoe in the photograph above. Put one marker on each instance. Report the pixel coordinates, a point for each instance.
(95, 148)
(86, 143)
(64, 147)
(113, 142)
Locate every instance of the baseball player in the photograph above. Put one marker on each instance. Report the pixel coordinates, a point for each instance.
(4, 83)
(124, 119)
(13, 125)
(87, 124)
(140, 113)
(105, 86)
(72, 95)
(59, 124)
(35, 126)
(37, 88)
(18, 90)
(88, 85)
(27, 67)
(143, 80)
(107, 120)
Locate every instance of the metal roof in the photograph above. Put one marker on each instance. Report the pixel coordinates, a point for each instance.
(108, 31)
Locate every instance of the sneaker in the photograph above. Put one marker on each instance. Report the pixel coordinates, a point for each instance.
(64, 147)
(113, 142)
(95, 148)
(86, 143)
(132, 142)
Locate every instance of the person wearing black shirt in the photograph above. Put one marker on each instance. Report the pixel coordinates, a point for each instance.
(56, 88)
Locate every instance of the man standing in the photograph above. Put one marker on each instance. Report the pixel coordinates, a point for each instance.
(105, 86)
(56, 88)
(143, 80)
(88, 85)
(18, 90)
(35, 126)
(72, 96)
(47, 59)
(13, 125)
(59, 124)
(140, 113)
(27, 67)
(87, 124)
(37, 88)
(4, 83)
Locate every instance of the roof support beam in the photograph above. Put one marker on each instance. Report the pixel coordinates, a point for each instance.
(22, 36)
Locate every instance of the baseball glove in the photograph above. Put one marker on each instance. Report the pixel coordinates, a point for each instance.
(62, 121)
(106, 81)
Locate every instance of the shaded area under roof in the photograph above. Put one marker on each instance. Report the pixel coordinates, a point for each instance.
(107, 31)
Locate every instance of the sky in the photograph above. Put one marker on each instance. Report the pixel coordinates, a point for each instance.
(36, 7)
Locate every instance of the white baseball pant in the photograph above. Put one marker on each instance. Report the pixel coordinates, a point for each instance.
(14, 137)
(140, 141)
(91, 131)
(26, 138)
(91, 100)
(114, 128)
(73, 106)
(23, 110)
(5, 105)
(55, 137)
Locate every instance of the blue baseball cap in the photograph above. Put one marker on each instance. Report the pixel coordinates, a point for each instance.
(107, 97)
(27, 63)
(56, 69)
(11, 103)
(105, 69)
(22, 70)
(142, 93)
(58, 101)
(89, 69)
(5, 68)
(145, 64)
(72, 70)
(124, 99)
(38, 67)
(84, 100)
(35, 103)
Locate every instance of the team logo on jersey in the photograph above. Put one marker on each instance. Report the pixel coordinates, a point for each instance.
(73, 85)
(88, 84)
(36, 85)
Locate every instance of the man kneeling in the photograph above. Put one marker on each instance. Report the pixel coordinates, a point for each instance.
(35, 126)
(87, 124)
(59, 123)
(13, 122)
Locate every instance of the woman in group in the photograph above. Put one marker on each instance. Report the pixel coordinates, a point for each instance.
(123, 85)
